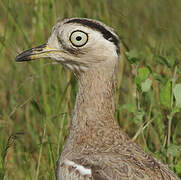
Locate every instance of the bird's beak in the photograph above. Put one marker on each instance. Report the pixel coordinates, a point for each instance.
(42, 51)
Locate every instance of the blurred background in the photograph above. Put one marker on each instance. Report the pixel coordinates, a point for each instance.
(37, 98)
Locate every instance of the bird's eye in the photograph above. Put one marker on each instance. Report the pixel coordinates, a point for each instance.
(78, 38)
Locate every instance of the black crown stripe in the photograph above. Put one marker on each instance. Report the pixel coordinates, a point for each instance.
(98, 27)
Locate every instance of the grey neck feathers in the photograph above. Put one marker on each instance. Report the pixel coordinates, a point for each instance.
(93, 127)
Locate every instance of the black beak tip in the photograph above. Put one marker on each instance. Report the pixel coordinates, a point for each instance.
(18, 59)
(27, 55)
(24, 56)
(21, 58)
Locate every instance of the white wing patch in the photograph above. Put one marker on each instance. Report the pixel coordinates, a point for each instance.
(82, 170)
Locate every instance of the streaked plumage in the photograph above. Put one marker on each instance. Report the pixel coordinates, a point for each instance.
(96, 148)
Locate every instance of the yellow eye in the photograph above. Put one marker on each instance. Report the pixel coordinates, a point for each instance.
(78, 38)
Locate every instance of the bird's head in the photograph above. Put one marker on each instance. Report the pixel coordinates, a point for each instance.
(79, 44)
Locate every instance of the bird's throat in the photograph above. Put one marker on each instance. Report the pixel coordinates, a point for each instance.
(93, 125)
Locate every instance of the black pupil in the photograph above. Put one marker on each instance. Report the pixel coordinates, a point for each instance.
(78, 38)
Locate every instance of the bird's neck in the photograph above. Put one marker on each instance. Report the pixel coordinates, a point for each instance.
(93, 125)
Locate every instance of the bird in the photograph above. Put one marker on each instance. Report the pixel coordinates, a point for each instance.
(96, 147)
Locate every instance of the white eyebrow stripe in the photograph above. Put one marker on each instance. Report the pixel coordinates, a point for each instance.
(82, 170)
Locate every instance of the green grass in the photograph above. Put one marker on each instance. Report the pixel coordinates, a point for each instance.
(37, 98)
